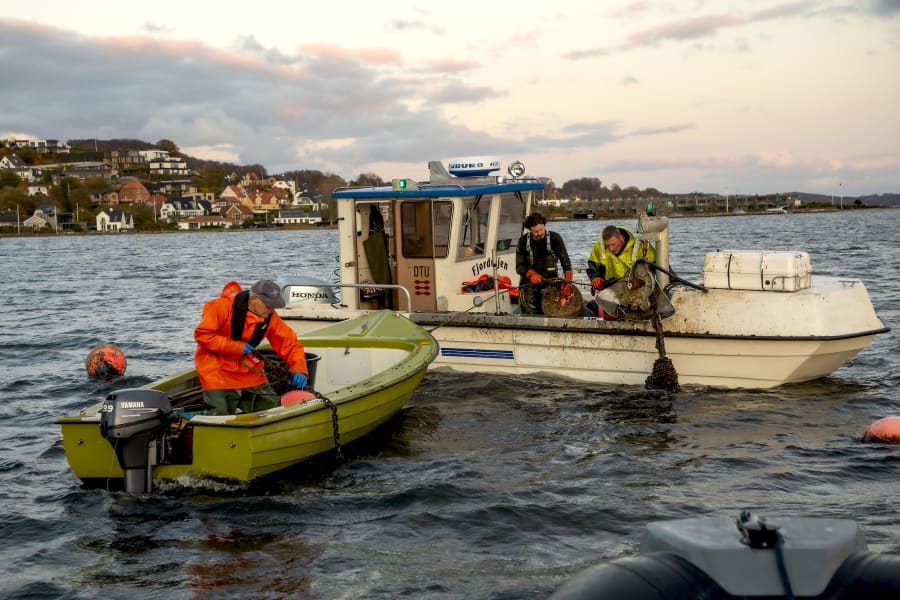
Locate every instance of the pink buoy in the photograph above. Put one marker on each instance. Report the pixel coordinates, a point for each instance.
(106, 361)
(296, 396)
(883, 431)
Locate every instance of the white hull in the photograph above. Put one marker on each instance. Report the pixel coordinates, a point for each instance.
(761, 319)
(758, 341)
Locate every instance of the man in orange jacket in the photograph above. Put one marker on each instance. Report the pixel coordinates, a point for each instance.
(232, 377)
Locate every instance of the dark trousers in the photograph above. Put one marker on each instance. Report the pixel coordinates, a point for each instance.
(530, 298)
(251, 399)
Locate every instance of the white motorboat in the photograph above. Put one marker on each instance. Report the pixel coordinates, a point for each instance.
(443, 252)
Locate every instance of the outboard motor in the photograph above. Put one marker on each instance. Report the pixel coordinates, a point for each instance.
(132, 421)
(303, 289)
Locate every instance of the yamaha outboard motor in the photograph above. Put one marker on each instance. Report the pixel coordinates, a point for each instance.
(132, 421)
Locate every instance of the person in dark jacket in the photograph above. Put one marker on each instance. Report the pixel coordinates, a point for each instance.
(537, 254)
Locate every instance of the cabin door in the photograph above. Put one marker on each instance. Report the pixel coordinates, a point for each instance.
(423, 236)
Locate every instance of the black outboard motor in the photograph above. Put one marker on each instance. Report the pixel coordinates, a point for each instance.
(130, 420)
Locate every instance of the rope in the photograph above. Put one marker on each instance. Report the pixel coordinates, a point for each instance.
(334, 424)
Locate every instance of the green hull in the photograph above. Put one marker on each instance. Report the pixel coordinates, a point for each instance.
(369, 368)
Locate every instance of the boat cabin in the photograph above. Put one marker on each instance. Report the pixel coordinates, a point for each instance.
(433, 239)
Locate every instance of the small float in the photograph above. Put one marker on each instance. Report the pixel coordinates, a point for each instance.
(883, 431)
(723, 558)
(362, 371)
(417, 246)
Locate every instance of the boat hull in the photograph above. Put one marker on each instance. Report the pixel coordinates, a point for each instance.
(721, 338)
(368, 372)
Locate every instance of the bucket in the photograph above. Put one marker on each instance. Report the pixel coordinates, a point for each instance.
(311, 363)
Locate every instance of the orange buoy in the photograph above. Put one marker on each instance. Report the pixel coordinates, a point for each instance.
(105, 361)
(295, 396)
(883, 431)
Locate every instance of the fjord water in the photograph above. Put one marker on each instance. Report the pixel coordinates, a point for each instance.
(484, 487)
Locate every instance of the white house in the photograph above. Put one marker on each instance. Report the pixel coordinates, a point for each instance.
(38, 188)
(179, 208)
(11, 162)
(114, 220)
(297, 217)
(149, 155)
(168, 166)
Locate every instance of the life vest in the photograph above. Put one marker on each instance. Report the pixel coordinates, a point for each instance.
(239, 308)
(485, 283)
(548, 270)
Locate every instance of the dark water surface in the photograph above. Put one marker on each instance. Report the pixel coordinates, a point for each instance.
(484, 487)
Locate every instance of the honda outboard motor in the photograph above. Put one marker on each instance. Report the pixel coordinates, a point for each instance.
(303, 289)
(132, 421)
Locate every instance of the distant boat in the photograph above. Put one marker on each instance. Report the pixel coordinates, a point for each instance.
(443, 251)
(363, 371)
(780, 210)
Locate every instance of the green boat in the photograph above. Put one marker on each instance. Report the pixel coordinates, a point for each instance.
(362, 372)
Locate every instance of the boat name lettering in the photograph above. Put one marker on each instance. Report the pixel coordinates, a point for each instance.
(499, 264)
(421, 271)
(131, 405)
(472, 165)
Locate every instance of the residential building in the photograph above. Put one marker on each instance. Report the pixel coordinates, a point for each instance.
(237, 213)
(297, 217)
(204, 221)
(114, 220)
(173, 188)
(233, 192)
(38, 189)
(176, 209)
(168, 166)
(148, 155)
(133, 192)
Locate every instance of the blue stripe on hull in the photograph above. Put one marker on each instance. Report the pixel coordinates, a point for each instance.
(476, 353)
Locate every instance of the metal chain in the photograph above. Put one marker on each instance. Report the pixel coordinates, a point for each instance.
(334, 424)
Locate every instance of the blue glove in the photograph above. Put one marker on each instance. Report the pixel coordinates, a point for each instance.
(298, 380)
(248, 348)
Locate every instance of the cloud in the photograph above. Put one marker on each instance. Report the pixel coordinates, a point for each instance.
(883, 7)
(690, 29)
(156, 28)
(254, 103)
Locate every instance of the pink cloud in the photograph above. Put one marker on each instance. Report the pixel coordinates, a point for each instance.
(379, 56)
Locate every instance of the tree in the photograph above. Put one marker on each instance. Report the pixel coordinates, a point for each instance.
(143, 216)
(211, 178)
(368, 179)
(586, 188)
(169, 146)
(28, 155)
(11, 197)
(9, 179)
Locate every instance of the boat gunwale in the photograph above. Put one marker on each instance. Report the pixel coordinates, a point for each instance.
(415, 361)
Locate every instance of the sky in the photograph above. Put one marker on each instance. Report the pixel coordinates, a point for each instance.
(728, 97)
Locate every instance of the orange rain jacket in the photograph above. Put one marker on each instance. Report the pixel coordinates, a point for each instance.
(220, 360)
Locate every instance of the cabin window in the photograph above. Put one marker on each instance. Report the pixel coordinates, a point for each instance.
(425, 229)
(512, 212)
(473, 236)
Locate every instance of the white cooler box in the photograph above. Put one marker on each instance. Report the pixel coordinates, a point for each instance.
(775, 271)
